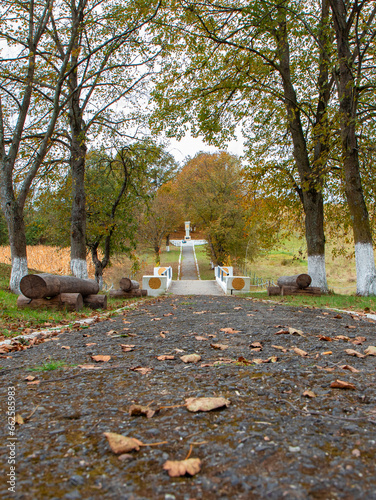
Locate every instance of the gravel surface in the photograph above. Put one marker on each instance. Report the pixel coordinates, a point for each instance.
(272, 441)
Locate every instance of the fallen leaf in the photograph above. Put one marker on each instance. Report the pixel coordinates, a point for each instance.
(294, 331)
(65, 347)
(355, 452)
(156, 319)
(237, 308)
(29, 378)
(89, 367)
(325, 369)
(199, 312)
(280, 348)
(179, 350)
(142, 369)
(351, 352)
(111, 332)
(309, 394)
(300, 351)
(34, 382)
(176, 468)
(229, 330)
(200, 337)
(337, 316)
(127, 347)
(122, 444)
(282, 332)
(19, 420)
(222, 347)
(140, 410)
(165, 357)
(327, 339)
(340, 384)
(162, 335)
(259, 361)
(91, 343)
(370, 351)
(244, 361)
(256, 345)
(168, 314)
(100, 358)
(351, 327)
(350, 368)
(325, 353)
(206, 404)
(191, 358)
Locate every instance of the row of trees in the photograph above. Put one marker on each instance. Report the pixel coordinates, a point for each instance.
(300, 77)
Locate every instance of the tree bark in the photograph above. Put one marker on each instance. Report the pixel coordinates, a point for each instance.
(310, 192)
(126, 284)
(95, 301)
(298, 280)
(39, 286)
(127, 295)
(70, 301)
(348, 104)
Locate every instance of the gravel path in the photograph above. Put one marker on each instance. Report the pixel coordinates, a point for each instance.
(274, 440)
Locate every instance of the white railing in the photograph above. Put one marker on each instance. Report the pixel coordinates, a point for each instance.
(159, 282)
(229, 283)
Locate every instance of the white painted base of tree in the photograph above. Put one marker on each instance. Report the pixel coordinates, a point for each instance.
(316, 269)
(79, 268)
(365, 269)
(100, 282)
(19, 270)
(167, 249)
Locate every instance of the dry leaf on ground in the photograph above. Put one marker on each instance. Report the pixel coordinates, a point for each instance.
(352, 352)
(200, 337)
(165, 357)
(294, 331)
(309, 394)
(141, 369)
(65, 347)
(191, 358)
(89, 367)
(206, 404)
(29, 378)
(229, 330)
(259, 361)
(280, 348)
(256, 345)
(19, 419)
(127, 347)
(176, 468)
(100, 358)
(370, 351)
(140, 410)
(222, 347)
(300, 351)
(340, 384)
(326, 339)
(350, 368)
(122, 444)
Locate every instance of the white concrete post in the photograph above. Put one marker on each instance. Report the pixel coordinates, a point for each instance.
(187, 229)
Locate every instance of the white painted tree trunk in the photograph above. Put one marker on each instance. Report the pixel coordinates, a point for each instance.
(79, 268)
(365, 269)
(19, 270)
(316, 269)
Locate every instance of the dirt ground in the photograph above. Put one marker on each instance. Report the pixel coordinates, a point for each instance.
(299, 421)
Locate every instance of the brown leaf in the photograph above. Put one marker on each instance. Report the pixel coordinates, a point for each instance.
(222, 347)
(340, 384)
(282, 332)
(200, 337)
(237, 308)
(259, 361)
(163, 335)
(309, 394)
(122, 444)
(199, 312)
(229, 330)
(370, 351)
(29, 378)
(351, 352)
(91, 343)
(65, 347)
(140, 410)
(34, 382)
(256, 345)
(89, 367)
(100, 358)
(168, 314)
(326, 339)
(127, 347)
(280, 348)
(325, 353)
(19, 420)
(351, 327)
(294, 331)
(350, 368)
(165, 357)
(325, 369)
(337, 316)
(191, 358)
(156, 319)
(341, 337)
(244, 361)
(176, 468)
(206, 404)
(300, 351)
(142, 369)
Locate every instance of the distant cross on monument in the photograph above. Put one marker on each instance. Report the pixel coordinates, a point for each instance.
(187, 229)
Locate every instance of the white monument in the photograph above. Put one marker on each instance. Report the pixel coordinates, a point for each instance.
(187, 229)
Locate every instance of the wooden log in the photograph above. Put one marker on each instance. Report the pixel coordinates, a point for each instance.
(41, 286)
(127, 295)
(274, 290)
(69, 301)
(95, 301)
(298, 280)
(293, 290)
(126, 284)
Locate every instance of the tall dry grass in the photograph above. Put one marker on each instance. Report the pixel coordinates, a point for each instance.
(53, 260)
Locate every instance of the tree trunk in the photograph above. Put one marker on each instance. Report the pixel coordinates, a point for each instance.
(348, 103)
(77, 164)
(39, 286)
(17, 240)
(126, 284)
(310, 179)
(95, 301)
(70, 301)
(298, 280)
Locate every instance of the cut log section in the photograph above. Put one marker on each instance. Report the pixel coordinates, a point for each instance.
(41, 286)
(126, 284)
(293, 290)
(69, 301)
(128, 295)
(95, 301)
(298, 280)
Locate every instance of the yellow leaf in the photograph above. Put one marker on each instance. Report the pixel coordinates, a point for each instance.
(176, 468)
(122, 444)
